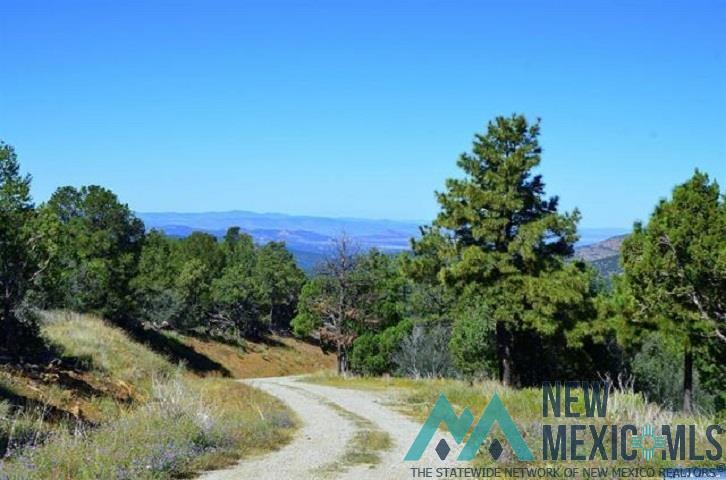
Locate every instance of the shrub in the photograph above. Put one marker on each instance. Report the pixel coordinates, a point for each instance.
(472, 344)
(425, 353)
(372, 352)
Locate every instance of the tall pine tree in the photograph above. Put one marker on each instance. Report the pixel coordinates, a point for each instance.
(499, 240)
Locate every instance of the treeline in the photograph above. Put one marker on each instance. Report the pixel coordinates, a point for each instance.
(83, 250)
(228, 287)
(491, 289)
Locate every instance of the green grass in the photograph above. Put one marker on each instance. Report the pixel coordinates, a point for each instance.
(415, 398)
(176, 423)
(365, 446)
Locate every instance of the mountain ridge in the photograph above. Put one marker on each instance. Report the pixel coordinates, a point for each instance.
(603, 255)
(309, 237)
(602, 249)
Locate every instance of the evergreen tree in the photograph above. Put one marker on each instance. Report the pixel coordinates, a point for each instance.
(279, 280)
(159, 303)
(498, 240)
(21, 255)
(235, 293)
(97, 241)
(201, 260)
(675, 278)
(236, 302)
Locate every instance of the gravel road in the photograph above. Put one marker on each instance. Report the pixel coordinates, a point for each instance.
(331, 417)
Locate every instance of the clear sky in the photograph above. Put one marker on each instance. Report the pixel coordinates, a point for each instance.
(344, 108)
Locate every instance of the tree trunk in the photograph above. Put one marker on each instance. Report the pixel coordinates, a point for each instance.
(504, 351)
(339, 358)
(342, 359)
(688, 380)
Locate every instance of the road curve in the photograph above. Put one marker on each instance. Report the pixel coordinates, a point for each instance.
(330, 419)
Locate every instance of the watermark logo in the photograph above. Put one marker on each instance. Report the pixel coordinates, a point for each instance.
(585, 435)
(459, 425)
(648, 441)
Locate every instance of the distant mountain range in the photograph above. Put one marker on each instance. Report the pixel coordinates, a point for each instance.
(309, 237)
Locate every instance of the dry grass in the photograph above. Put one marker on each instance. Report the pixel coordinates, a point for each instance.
(102, 371)
(153, 419)
(183, 428)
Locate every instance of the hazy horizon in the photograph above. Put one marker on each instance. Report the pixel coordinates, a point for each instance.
(332, 217)
(312, 233)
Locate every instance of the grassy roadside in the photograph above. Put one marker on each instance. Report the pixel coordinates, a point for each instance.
(114, 408)
(415, 398)
(177, 432)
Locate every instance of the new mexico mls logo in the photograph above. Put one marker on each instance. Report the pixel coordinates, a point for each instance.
(459, 425)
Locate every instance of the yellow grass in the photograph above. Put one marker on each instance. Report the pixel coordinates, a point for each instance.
(151, 416)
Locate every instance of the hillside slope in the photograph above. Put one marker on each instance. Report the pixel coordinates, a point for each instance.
(276, 356)
(603, 255)
(101, 403)
(603, 249)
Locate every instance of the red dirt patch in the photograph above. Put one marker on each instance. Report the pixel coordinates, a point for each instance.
(278, 357)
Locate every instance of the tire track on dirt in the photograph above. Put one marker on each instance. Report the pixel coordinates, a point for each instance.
(331, 419)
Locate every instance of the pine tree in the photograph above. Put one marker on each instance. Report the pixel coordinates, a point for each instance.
(21, 256)
(675, 277)
(280, 281)
(499, 240)
(97, 241)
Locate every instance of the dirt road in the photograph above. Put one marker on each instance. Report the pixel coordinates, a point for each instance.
(332, 441)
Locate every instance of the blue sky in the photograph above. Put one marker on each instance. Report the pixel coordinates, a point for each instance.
(359, 108)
